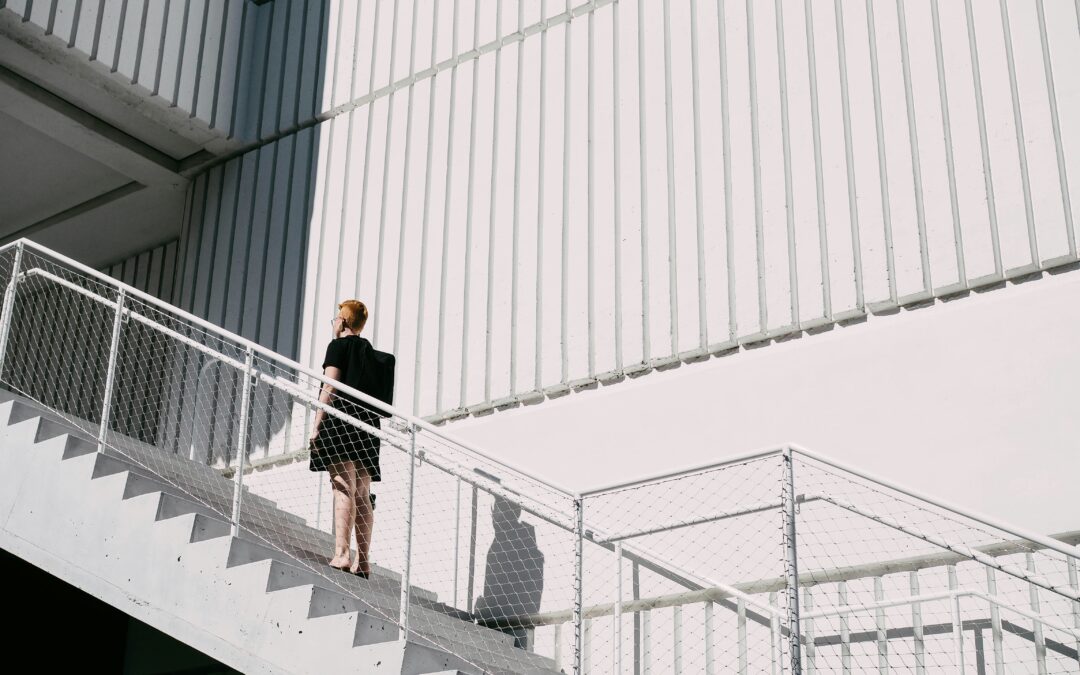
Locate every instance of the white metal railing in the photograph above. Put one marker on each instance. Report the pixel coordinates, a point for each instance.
(129, 370)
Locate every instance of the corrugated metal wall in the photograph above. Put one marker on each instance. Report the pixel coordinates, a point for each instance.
(188, 52)
(244, 245)
(613, 187)
(152, 271)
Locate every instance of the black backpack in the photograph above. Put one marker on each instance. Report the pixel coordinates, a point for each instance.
(377, 378)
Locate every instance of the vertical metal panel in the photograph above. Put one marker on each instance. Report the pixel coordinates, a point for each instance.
(883, 174)
(463, 401)
(444, 268)
(425, 221)
(156, 54)
(383, 198)
(725, 140)
(789, 197)
(616, 209)
(673, 280)
(203, 54)
(845, 106)
(284, 37)
(291, 66)
(217, 289)
(191, 54)
(1059, 152)
(819, 186)
(991, 204)
(591, 195)
(402, 225)
(564, 285)
(913, 143)
(493, 190)
(751, 54)
(132, 30)
(950, 161)
(147, 269)
(646, 348)
(1018, 122)
(699, 207)
(516, 236)
(541, 143)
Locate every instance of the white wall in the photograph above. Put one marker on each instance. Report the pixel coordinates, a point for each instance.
(975, 401)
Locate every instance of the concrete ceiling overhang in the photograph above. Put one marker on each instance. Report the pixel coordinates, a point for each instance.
(89, 164)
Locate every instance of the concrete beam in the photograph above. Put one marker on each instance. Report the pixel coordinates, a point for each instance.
(77, 210)
(83, 132)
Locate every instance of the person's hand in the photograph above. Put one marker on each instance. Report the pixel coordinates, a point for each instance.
(311, 441)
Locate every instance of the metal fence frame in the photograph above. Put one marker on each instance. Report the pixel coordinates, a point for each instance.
(790, 626)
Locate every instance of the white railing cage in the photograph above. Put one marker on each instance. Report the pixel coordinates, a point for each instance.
(781, 560)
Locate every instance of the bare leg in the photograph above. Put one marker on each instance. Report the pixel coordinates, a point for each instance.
(365, 520)
(343, 482)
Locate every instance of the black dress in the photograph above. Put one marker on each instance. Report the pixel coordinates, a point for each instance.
(339, 441)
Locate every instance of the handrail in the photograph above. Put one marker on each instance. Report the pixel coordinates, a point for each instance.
(274, 356)
(806, 579)
(420, 423)
(663, 568)
(289, 380)
(989, 521)
(276, 382)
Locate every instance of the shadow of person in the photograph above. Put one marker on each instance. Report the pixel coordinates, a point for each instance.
(514, 575)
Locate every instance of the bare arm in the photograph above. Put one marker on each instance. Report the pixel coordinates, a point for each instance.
(326, 395)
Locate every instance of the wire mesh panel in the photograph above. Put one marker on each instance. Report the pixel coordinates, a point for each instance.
(665, 558)
(779, 561)
(889, 580)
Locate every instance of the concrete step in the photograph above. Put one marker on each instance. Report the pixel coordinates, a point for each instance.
(167, 536)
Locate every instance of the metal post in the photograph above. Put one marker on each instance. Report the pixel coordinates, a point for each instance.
(791, 567)
(957, 622)
(457, 537)
(472, 547)
(710, 660)
(242, 438)
(676, 642)
(578, 569)
(635, 589)
(9, 304)
(407, 572)
(618, 608)
(110, 374)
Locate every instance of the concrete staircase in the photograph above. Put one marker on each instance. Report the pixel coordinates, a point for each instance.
(152, 543)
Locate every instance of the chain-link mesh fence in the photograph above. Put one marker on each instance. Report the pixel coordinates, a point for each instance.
(690, 572)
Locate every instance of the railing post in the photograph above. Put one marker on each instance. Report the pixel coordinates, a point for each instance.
(110, 374)
(241, 441)
(406, 574)
(457, 538)
(579, 535)
(9, 304)
(957, 621)
(791, 566)
(617, 625)
(473, 514)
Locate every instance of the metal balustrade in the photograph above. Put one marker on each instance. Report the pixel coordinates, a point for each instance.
(780, 559)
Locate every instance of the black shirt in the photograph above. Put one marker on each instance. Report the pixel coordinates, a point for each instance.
(361, 369)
